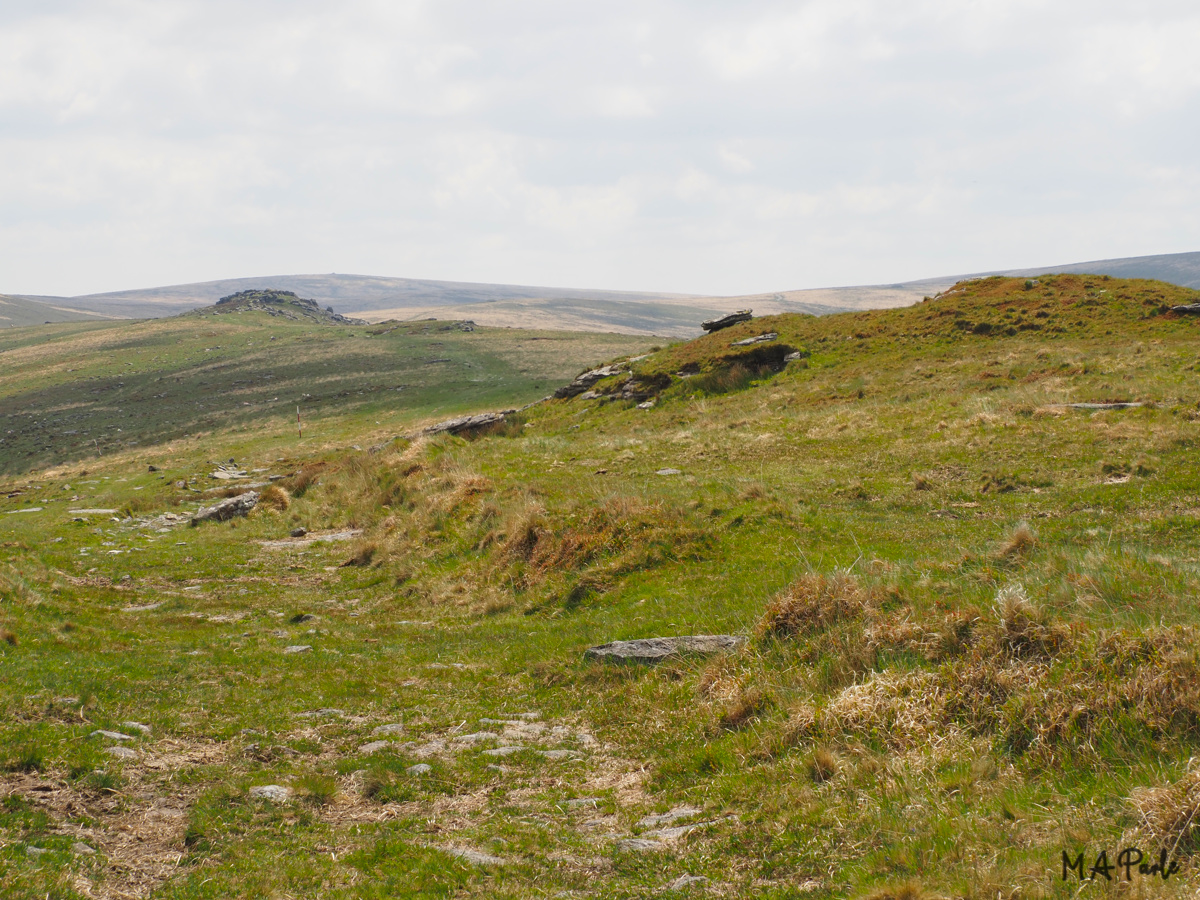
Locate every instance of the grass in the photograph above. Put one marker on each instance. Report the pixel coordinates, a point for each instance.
(969, 608)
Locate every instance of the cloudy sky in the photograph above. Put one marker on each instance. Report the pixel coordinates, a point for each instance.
(706, 147)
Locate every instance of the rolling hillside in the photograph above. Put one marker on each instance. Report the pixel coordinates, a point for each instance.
(677, 315)
(945, 557)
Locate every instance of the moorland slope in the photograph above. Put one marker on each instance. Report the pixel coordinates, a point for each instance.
(959, 541)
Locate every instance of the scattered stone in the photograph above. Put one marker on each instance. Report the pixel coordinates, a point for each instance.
(229, 472)
(474, 857)
(557, 754)
(92, 512)
(122, 752)
(301, 618)
(137, 726)
(583, 803)
(653, 650)
(395, 728)
(323, 711)
(419, 769)
(276, 793)
(502, 751)
(638, 845)
(742, 315)
(758, 339)
(584, 381)
(79, 848)
(797, 354)
(686, 881)
(477, 737)
(468, 424)
(649, 404)
(668, 472)
(679, 812)
(298, 532)
(36, 852)
(227, 508)
(298, 648)
(374, 747)
(1188, 309)
(146, 608)
(500, 722)
(112, 735)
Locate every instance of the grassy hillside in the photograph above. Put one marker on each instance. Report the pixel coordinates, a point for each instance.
(75, 392)
(969, 611)
(18, 312)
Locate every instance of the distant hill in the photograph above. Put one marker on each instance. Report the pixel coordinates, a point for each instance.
(376, 298)
(19, 311)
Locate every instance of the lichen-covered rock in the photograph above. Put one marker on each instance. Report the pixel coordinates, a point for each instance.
(647, 651)
(227, 508)
(468, 424)
(742, 315)
(585, 380)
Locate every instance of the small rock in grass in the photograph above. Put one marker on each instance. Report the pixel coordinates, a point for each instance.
(477, 737)
(227, 508)
(557, 754)
(637, 845)
(121, 752)
(36, 852)
(79, 848)
(668, 472)
(502, 751)
(679, 812)
(394, 728)
(475, 857)
(300, 618)
(276, 793)
(298, 648)
(136, 726)
(419, 769)
(374, 747)
(298, 532)
(686, 881)
(323, 711)
(112, 735)
(652, 650)
(583, 803)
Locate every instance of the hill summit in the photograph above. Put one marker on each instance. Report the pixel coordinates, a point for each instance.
(278, 303)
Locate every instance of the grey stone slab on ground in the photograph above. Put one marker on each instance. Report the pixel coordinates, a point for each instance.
(742, 315)
(228, 508)
(757, 339)
(467, 424)
(112, 735)
(686, 881)
(653, 650)
(475, 857)
(79, 848)
(276, 793)
(393, 728)
(374, 747)
(679, 812)
(637, 845)
(419, 769)
(298, 648)
(121, 752)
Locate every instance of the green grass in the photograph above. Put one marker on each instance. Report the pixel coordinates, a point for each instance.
(902, 719)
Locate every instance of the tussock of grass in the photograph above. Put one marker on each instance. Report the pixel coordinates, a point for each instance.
(8, 637)
(814, 603)
(275, 497)
(1020, 542)
(1169, 814)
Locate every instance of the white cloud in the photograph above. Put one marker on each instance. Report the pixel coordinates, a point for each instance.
(657, 145)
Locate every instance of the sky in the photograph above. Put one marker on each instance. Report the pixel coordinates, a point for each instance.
(699, 147)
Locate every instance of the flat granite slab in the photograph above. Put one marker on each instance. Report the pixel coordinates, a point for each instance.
(652, 650)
